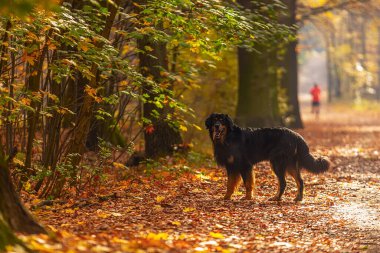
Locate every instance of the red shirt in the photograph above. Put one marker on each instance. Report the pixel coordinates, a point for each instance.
(315, 93)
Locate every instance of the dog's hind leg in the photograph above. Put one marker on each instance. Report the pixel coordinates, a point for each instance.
(279, 170)
(295, 172)
(233, 182)
(248, 176)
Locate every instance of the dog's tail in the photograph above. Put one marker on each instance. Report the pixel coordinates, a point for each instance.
(307, 161)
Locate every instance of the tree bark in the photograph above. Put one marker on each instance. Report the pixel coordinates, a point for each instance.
(12, 211)
(258, 104)
(378, 64)
(329, 65)
(33, 86)
(290, 65)
(160, 140)
(257, 92)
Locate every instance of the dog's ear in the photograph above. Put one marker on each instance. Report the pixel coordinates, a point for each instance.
(208, 121)
(229, 121)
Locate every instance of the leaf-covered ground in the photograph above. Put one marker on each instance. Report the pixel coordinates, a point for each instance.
(169, 212)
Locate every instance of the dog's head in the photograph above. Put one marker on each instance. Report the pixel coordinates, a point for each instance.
(219, 125)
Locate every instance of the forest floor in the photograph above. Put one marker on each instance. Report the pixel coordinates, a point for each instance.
(167, 211)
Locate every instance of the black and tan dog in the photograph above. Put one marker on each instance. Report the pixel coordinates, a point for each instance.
(238, 149)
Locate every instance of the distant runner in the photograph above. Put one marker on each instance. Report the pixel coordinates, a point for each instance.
(316, 100)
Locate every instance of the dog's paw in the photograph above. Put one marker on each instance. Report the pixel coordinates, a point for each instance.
(275, 198)
(298, 199)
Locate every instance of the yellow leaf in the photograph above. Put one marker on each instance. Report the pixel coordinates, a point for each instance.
(27, 186)
(159, 199)
(69, 211)
(126, 49)
(183, 128)
(216, 235)
(103, 215)
(35, 201)
(90, 91)
(159, 236)
(197, 127)
(25, 101)
(176, 223)
(188, 209)
(18, 162)
(118, 165)
(124, 83)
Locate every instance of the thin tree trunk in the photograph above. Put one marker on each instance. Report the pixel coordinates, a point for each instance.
(330, 82)
(8, 84)
(33, 116)
(290, 65)
(378, 64)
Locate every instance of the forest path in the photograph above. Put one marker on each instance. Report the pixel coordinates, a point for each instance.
(170, 212)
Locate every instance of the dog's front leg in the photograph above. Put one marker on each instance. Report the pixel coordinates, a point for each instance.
(233, 182)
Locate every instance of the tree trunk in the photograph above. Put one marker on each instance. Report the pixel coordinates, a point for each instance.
(257, 92)
(290, 65)
(258, 103)
(378, 64)
(335, 71)
(329, 65)
(33, 86)
(161, 137)
(12, 211)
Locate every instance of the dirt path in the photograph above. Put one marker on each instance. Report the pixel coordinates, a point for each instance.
(351, 141)
(170, 212)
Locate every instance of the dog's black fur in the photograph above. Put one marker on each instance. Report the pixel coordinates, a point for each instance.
(238, 149)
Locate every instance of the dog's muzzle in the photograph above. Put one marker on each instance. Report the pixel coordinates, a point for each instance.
(218, 132)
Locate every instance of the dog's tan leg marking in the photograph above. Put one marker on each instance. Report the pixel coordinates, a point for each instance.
(295, 173)
(232, 183)
(230, 159)
(250, 186)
